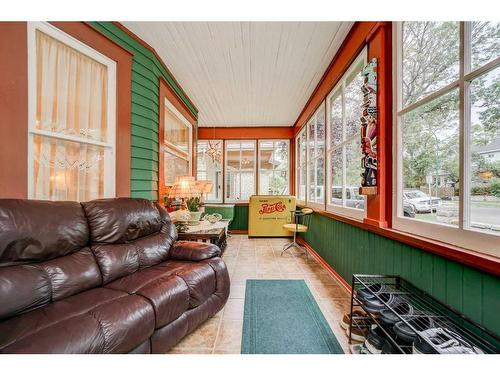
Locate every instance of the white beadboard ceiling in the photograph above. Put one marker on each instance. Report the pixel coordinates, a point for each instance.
(245, 73)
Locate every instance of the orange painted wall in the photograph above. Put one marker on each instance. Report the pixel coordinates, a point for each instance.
(261, 132)
(14, 104)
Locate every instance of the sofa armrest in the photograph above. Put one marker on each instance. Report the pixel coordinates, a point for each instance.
(193, 251)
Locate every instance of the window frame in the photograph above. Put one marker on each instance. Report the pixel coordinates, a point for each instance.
(110, 145)
(221, 199)
(287, 169)
(461, 235)
(298, 166)
(316, 205)
(240, 141)
(352, 213)
(171, 148)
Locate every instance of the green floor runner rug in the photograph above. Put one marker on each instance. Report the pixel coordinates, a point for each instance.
(282, 317)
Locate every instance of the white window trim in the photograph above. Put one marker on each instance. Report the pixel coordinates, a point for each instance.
(110, 145)
(297, 167)
(287, 169)
(315, 205)
(172, 148)
(458, 236)
(230, 200)
(343, 211)
(221, 199)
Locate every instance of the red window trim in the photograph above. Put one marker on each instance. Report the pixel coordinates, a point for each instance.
(483, 262)
(165, 92)
(377, 36)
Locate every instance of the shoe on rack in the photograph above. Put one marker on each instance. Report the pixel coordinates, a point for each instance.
(346, 319)
(364, 350)
(355, 348)
(375, 340)
(357, 333)
(389, 348)
(419, 323)
(376, 305)
(444, 341)
(371, 290)
(389, 318)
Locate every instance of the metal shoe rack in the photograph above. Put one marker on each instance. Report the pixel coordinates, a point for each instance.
(424, 305)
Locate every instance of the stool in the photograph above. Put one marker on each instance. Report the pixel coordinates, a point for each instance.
(300, 224)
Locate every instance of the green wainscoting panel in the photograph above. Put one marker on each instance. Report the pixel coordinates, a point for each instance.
(240, 221)
(349, 249)
(146, 72)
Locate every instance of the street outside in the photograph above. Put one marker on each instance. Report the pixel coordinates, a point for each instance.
(487, 213)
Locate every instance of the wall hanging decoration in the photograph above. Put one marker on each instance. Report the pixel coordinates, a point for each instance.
(214, 150)
(369, 130)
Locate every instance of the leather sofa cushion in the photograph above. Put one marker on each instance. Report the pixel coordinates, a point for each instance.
(144, 348)
(169, 297)
(32, 231)
(199, 278)
(118, 260)
(72, 274)
(96, 321)
(22, 326)
(27, 287)
(23, 288)
(121, 220)
(194, 251)
(167, 293)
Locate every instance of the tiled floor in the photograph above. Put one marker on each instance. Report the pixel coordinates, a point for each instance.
(260, 259)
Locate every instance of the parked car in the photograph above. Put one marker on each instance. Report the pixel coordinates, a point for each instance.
(352, 197)
(408, 210)
(421, 202)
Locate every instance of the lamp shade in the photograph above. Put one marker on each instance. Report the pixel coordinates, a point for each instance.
(184, 187)
(204, 186)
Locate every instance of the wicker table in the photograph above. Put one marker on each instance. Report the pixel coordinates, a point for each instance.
(206, 232)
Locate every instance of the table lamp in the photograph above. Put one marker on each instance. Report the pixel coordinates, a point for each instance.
(204, 186)
(184, 188)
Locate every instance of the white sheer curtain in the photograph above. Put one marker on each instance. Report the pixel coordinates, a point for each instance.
(71, 100)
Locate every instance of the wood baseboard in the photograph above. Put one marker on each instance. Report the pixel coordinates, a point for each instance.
(325, 265)
(238, 231)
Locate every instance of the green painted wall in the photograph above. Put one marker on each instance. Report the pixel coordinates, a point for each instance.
(240, 221)
(146, 72)
(346, 248)
(349, 250)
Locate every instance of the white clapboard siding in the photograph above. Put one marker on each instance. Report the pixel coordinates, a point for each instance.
(245, 73)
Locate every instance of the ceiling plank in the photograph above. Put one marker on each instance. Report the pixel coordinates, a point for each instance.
(245, 74)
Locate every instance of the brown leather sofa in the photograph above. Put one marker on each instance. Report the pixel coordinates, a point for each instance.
(106, 276)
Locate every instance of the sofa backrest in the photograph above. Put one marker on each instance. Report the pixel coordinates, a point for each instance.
(44, 254)
(128, 234)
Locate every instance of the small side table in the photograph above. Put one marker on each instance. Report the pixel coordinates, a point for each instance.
(206, 232)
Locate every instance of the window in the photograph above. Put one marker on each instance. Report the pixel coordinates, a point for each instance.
(71, 129)
(316, 157)
(209, 169)
(177, 144)
(239, 170)
(241, 166)
(446, 124)
(301, 165)
(273, 167)
(343, 146)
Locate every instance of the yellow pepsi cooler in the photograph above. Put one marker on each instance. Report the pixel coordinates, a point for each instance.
(268, 213)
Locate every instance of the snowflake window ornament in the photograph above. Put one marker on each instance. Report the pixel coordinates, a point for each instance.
(214, 151)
